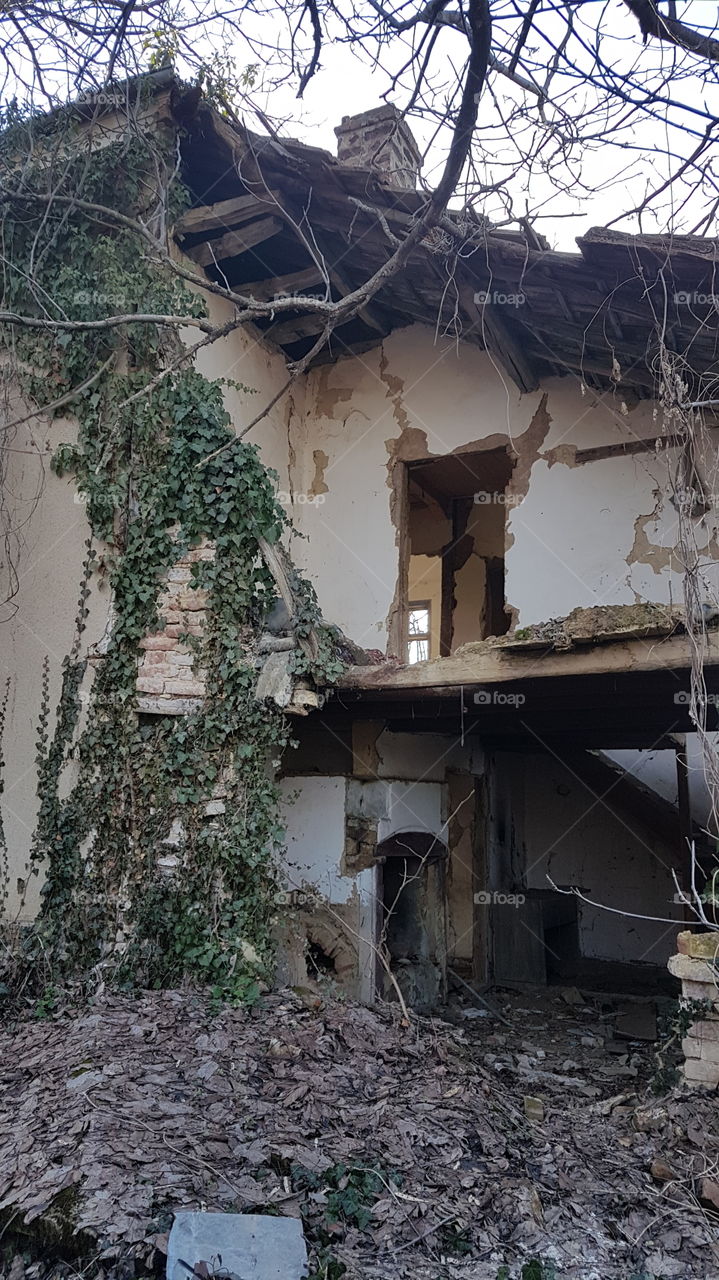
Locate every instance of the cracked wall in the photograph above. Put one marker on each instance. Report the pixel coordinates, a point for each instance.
(578, 532)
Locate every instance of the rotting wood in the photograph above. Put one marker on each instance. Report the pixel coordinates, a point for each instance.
(490, 664)
(498, 339)
(557, 331)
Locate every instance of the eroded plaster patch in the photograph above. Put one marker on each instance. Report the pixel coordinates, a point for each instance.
(527, 451)
(645, 552)
(321, 461)
(327, 397)
(566, 454)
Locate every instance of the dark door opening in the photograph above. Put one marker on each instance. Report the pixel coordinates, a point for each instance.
(455, 549)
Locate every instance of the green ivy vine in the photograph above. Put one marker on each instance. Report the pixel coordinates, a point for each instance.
(158, 861)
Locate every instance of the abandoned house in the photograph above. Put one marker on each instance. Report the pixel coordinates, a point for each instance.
(486, 474)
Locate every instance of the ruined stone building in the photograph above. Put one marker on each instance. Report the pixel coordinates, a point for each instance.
(488, 489)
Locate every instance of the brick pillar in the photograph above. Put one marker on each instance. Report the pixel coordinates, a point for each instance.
(697, 967)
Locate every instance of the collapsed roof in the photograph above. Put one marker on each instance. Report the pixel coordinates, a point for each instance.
(269, 214)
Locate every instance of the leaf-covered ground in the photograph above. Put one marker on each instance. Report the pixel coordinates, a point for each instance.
(406, 1150)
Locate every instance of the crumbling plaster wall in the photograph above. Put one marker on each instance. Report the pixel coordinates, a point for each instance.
(578, 534)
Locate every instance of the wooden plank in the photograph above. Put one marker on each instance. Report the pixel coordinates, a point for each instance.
(625, 448)
(235, 242)
(225, 213)
(281, 286)
(365, 313)
(288, 331)
(489, 664)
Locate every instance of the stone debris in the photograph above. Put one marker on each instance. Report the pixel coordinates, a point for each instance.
(404, 1152)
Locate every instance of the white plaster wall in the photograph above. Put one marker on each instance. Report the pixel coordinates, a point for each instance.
(37, 625)
(244, 358)
(313, 812)
(414, 806)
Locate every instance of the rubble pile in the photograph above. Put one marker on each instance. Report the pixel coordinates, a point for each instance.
(444, 1148)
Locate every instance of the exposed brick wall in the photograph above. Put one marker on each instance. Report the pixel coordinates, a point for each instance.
(167, 672)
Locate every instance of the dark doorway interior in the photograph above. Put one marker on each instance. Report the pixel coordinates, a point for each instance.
(413, 915)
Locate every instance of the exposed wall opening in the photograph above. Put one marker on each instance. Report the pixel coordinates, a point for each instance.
(455, 552)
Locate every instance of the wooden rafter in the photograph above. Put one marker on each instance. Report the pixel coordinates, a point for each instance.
(224, 214)
(235, 242)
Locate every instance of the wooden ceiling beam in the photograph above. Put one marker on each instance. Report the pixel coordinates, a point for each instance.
(281, 286)
(236, 242)
(286, 332)
(225, 214)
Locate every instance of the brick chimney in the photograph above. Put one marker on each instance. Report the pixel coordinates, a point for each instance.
(379, 139)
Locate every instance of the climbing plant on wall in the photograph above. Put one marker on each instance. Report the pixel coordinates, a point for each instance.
(157, 860)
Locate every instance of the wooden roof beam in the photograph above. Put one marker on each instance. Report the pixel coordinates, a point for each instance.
(281, 286)
(487, 318)
(236, 242)
(224, 215)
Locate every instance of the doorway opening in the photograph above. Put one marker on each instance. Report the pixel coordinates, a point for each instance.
(455, 549)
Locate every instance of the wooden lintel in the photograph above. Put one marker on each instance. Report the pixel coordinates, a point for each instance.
(235, 242)
(225, 213)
